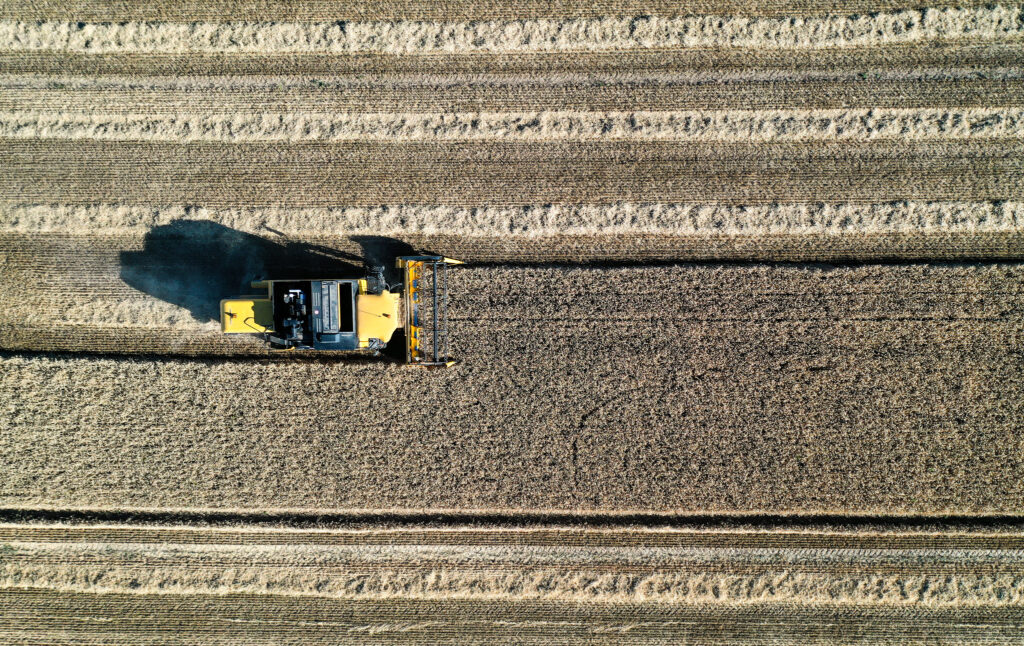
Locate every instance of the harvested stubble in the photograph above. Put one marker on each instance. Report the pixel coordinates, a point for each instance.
(864, 75)
(499, 585)
(884, 389)
(931, 102)
(507, 173)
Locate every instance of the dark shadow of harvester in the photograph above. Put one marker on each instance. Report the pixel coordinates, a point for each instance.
(379, 252)
(299, 295)
(194, 263)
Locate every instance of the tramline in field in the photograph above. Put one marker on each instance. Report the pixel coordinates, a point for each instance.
(352, 314)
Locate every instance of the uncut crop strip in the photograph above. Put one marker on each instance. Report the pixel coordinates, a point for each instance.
(623, 585)
(749, 396)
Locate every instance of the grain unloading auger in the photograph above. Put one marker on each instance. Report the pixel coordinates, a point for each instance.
(352, 314)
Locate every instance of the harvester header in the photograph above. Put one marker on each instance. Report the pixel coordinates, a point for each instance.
(352, 314)
(425, 294)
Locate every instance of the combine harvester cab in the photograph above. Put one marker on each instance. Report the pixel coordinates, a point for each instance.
(352, 314)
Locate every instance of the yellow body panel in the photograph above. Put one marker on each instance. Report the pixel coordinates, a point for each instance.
(377, 316)
(246, 315)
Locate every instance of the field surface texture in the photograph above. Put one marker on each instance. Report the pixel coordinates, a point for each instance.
(740, 330)
(113, 583)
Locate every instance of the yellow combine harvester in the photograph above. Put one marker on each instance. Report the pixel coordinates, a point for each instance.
(352, 314)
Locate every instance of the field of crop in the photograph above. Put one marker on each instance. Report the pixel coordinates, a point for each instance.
(679, 388)
(740, 328)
